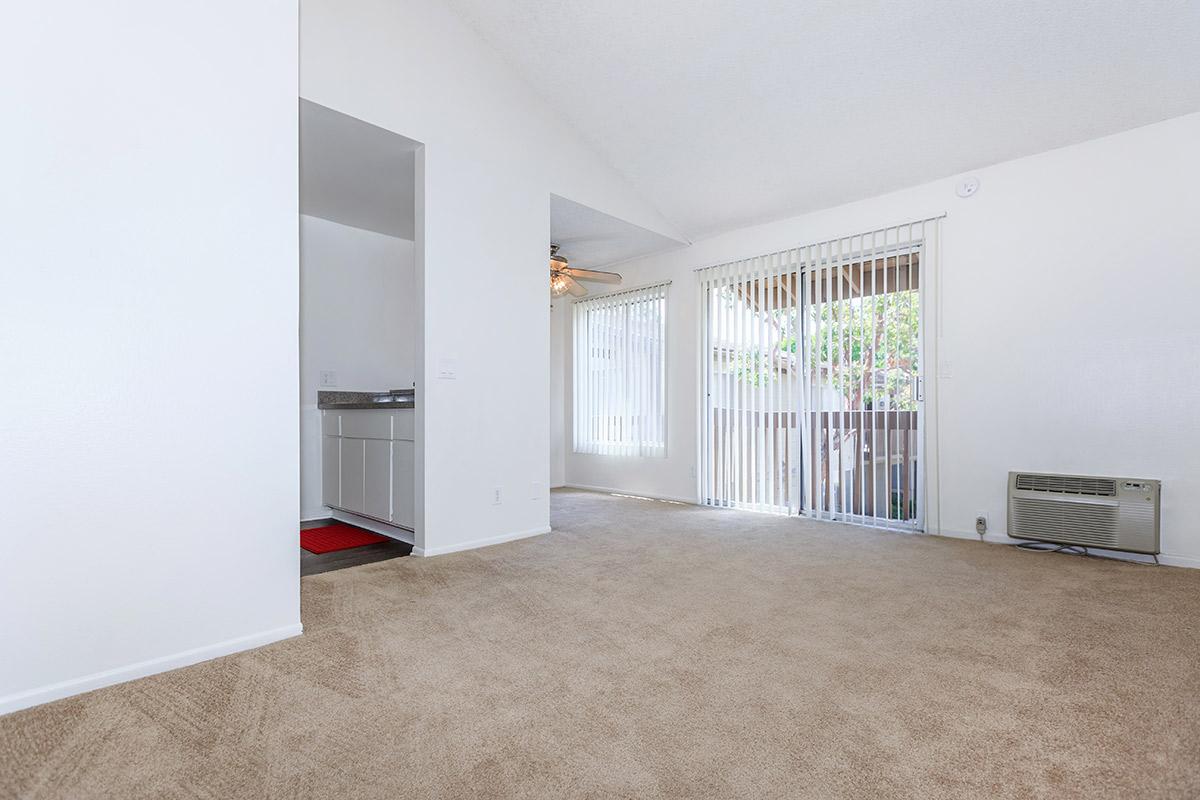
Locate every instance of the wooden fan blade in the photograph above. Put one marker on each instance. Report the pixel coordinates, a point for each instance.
(593, 275)
(574, 288)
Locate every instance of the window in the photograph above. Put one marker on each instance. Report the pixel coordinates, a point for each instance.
(620, 373)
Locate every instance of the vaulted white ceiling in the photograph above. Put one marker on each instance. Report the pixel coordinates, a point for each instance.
(590, 239)
(731, 112)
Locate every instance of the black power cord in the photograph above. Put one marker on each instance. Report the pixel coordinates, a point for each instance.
(1075, 550)
(1049, 547)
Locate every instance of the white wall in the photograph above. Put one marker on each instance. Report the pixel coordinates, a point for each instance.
(357, 318)
(148, 316)
(493, 153)
(1070, 333)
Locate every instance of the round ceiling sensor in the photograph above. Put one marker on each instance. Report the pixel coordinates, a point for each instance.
(967, 187)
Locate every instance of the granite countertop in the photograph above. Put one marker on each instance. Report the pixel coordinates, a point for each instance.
(377, 401)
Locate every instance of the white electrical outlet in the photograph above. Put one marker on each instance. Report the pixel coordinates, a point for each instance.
(981, 523)
(328, 379)
(447, 369)
(496, 497)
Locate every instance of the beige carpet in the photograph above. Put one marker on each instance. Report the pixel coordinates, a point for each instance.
(650, 650)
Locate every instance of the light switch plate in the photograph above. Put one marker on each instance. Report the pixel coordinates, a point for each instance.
(328, 379)
(447, 369)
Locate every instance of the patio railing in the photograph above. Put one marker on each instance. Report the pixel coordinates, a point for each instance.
(865, 462)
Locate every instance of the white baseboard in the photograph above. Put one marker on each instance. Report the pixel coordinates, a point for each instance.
(691, 501)
(1179, 561)
(476, 543)
(98, 680)
(990, 538)
(1140, 558)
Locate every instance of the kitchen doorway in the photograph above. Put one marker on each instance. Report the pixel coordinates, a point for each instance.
(361, 340)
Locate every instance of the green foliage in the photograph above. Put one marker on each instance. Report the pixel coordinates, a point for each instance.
(898, 507)
(867, 347)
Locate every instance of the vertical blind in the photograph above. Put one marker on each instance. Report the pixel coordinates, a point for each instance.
(620, 373)
(749, 392)
(811, 397)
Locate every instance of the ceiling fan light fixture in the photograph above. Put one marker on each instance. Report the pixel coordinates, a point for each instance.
(559, 282)
(564, 278)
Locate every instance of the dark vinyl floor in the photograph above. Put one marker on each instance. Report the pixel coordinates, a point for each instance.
(316, 563)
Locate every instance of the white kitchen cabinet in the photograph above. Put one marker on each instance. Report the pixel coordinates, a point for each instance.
(403, 483)
(331, 470)
(377, 479)
(352, 473)
(368, 464)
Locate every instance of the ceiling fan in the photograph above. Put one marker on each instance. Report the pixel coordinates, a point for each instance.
(565, 278)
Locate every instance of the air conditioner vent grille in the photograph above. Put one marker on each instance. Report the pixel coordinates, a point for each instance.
(1067, 484)
(1096, 526)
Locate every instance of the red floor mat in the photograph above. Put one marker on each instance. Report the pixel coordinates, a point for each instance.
(337, 537)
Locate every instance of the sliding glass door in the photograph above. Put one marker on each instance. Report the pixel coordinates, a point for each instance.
(812, 385)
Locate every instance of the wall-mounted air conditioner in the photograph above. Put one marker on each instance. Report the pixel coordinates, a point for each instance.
(1083, 510)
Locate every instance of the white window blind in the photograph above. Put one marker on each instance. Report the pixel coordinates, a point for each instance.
(620, 373)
